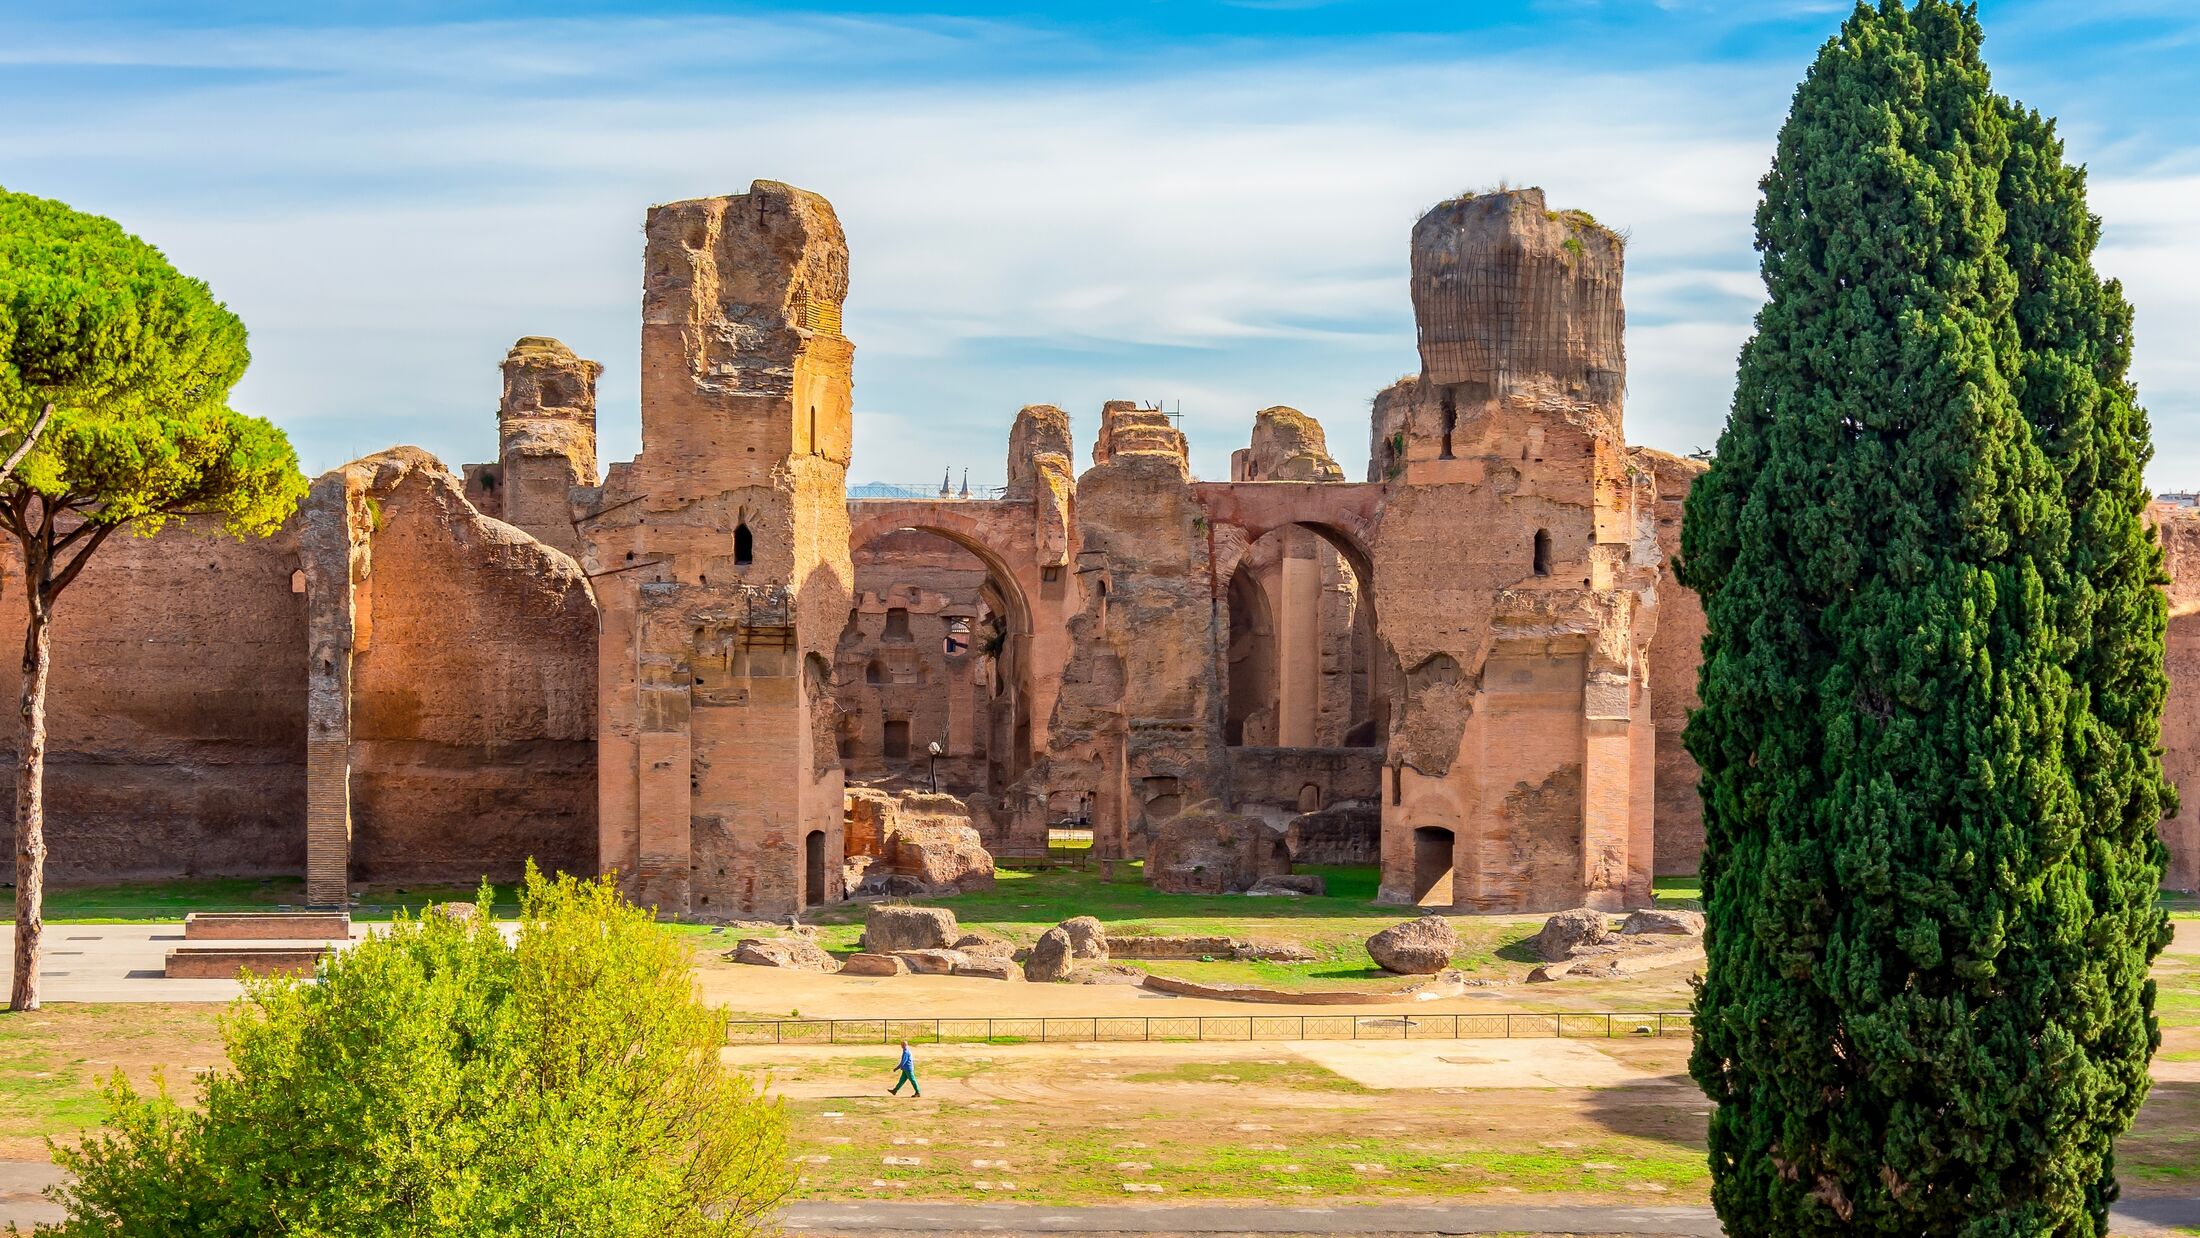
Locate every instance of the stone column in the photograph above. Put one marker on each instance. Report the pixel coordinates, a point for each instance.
(334, 558)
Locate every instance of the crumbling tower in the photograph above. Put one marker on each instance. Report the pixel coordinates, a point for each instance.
(1520, 760)
(546, 442)
(720, 560)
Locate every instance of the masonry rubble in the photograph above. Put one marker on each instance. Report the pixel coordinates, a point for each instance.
(1470, 668)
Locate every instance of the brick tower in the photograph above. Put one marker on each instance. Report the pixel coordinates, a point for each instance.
(720, 561)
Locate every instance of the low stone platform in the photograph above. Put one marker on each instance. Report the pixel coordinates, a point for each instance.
(230, 962)
(267, 926)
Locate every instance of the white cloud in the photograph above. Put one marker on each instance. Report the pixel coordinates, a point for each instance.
(1229, 234)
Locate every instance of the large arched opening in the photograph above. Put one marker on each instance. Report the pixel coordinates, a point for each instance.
(1302, 663)
(934, 654)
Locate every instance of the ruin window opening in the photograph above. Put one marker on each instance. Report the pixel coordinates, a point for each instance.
(1451, 419)
(897, 625)
(1542, 552)
(1310, 798)
(815, 450)
(874, 673)
(957, 641)
(897, 739)
(744, 545)
(1397, 785)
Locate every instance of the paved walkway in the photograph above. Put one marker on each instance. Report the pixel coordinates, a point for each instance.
(22, 1181)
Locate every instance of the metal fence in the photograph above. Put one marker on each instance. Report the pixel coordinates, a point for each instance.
(1117, 1029)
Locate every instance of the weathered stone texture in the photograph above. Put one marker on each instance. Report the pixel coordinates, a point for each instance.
(2179, 529)
(175, 712)
(893, 930)
(473, 693)
(1420, 947)
(1569, 931)
(1209, 850)
(722, 566)
(1051, 958)
(1674, 657)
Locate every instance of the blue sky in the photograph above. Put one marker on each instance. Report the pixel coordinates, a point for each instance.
(1200, 202)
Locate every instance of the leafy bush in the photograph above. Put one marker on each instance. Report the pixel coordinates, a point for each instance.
(443, 1080)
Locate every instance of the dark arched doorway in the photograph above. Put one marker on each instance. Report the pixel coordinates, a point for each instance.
(1433, 847)
(813, 868)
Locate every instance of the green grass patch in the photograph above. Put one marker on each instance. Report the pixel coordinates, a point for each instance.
(1297, 1076)
(1033, 1153)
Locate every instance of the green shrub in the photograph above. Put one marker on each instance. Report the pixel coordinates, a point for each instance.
(441, 1080)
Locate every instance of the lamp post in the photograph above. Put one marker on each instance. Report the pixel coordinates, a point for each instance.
(932, 771)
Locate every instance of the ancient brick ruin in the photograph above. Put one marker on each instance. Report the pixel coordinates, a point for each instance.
(1471, 667)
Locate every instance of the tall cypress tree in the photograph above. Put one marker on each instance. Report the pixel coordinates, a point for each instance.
(2074, 333)
(1894, 864)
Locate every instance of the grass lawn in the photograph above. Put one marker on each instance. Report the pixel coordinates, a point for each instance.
(153, 902)
(53, 1061)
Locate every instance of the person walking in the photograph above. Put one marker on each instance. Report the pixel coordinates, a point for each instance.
(908, 1074)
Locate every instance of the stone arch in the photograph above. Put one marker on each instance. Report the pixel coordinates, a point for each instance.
(1005, 717)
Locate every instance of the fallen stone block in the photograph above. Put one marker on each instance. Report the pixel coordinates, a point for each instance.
(1298, 885)
(1087, 940)
(891, 930)
(793, 953)
(1051, 959)
(1569, 931)
(872, 965)
(1659, 920)
(984, 968)
(1420, 947)
(941, 962)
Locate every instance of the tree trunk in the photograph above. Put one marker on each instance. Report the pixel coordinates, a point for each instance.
(30, 796)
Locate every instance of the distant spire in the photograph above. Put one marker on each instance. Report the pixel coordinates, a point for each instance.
(966, 484)
(945, 474)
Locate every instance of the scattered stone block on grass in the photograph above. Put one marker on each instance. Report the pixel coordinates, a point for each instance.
(1569, 931)
(1420, 947)
(1661, 920)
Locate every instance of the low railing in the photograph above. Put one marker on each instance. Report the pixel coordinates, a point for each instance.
(1043, 857)
(1096, 1029)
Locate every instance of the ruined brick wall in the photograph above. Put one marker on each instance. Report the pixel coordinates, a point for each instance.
(1674, 657)
(473, 691)
(2179, 529)
(1294, 780)
(1136, 723)
(176, 709)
